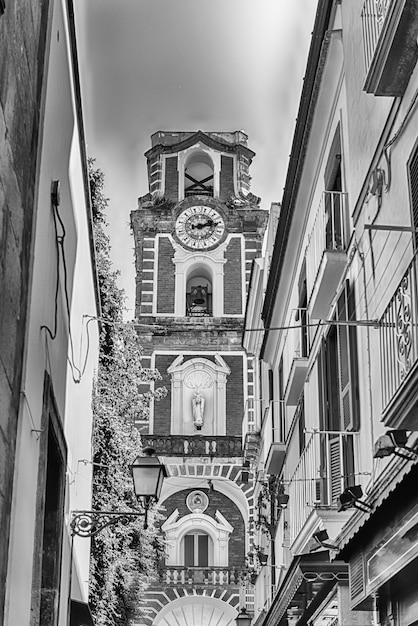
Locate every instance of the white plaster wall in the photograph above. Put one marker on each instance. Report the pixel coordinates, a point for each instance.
(59, 158)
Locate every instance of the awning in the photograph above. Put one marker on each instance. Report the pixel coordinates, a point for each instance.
(307, 583)
(80, 614)
(385, 486)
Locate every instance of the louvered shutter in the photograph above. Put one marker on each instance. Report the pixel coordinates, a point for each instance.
(356, 568)
(335, 470)
(413, 186)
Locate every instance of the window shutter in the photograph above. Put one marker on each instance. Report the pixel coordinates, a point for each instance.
(347, 360)
(203, 553)
(189, 550)
(335, 469)
(413, 186)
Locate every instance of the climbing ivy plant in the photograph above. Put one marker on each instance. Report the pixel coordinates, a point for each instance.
(124, 557)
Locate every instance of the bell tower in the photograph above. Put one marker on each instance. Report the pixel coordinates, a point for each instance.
(196, 233)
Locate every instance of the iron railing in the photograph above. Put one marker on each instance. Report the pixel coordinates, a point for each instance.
(372, 19)
(296, 344)
(329, 233)
(399, 335)
(194, 445)
(325, 468)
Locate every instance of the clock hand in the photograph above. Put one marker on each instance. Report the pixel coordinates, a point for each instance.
(208, 223)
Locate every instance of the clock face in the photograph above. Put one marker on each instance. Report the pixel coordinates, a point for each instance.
(200, 227)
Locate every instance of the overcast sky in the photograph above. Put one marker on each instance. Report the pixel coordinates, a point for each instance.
(211, 65)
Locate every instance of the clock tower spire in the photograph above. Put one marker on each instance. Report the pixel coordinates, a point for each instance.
(196, 233)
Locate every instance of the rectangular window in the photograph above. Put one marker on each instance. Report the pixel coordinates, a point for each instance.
(282, 416)
(52, 532)
(271, 402)
(338, 396)
(196, 550)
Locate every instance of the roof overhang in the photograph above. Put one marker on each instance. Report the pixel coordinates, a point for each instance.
(306, 585)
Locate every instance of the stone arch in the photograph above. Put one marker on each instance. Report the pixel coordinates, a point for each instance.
(196, 610)
(199, 173)
(189, 266)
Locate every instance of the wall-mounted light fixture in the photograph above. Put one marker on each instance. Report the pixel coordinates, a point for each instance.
(394, 442)
(351, 496)
(283, 500)
(243, 618)
(148, 475)
(321, 537)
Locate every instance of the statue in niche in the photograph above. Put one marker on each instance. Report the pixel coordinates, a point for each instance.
(198, 404)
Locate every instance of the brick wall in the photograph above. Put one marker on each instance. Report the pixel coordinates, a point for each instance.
(217, 502)
(171, 179)
(227, 177)
(233, 278)
(234, 395)
(162, 409)
(23, 28)
(166, 277)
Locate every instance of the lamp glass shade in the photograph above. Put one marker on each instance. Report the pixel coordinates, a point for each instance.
(243, 618)
(148, 475)
(283, 500)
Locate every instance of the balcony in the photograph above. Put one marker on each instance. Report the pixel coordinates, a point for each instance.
(390, 29)
(399, 355)
(252, 446)
(295, 357)
(325, 468)
(193, 445)
(182, 576)
(326, 254)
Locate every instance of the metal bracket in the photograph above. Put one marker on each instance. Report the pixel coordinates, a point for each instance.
(402, 229)
(89, 523)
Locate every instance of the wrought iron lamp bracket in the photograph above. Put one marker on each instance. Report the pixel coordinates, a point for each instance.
(90, 523)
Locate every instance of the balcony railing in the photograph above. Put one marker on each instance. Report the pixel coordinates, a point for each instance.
(326, 252)
(399, 340)
(390, 46)
(192, 445)
(295, 356)
(321, 475)
(372, 19)
(209, 576)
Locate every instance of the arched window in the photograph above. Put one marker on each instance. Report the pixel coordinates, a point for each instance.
(197, 549)
(199, 294)
(198, 175)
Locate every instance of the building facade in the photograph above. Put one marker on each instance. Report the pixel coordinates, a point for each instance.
(49, 309)
(196, 232)
(334, 442)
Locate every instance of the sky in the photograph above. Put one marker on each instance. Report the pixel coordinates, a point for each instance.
(210, 65)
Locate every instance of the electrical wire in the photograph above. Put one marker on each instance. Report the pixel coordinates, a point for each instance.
(70, 358)
(53, 333)
(76, 372)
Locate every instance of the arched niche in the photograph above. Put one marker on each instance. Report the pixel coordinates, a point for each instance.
(198, 396)
(176, 529)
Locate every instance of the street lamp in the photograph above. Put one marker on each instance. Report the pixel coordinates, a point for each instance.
(243, 618)
(148, 475)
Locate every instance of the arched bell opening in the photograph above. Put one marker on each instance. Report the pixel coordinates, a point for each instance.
(199, 293)
(198, 175)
